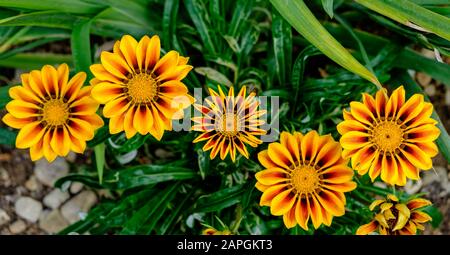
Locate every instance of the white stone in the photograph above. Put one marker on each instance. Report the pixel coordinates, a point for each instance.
(4, 217)
(53, 222)
(4, 177)
(48, 173)
(81, 203)
(423, 79)
(55, 198)
(17, 227)
(71, 157)
(430, 90)
(32, 184)
(28, 209)
(76, 187)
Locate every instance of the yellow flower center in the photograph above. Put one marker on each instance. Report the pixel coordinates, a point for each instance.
(228, 124)
(142, 88)
(55, 112)
(305, 179)
(387, 136)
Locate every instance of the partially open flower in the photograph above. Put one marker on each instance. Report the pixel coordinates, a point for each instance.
(305, 177)
(395, 218)
(214, 232)
(55, 115)
(141, 91)
(391, 137)
(229, 123)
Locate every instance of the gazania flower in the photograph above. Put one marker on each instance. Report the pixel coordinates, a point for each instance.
(305, 178)
(54, 114)
(396, 218)
(390, 137)
(141, 92)
(229, 123)
(214, 232)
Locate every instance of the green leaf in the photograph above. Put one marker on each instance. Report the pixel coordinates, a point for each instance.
(282, 46)
(135, 12)
(409, 59)
(87, 180)
(435, 214)
(328, 7)
(142, 175)
(100, 136)
(72, 6)
(4, 95)
(99, 151)
(301, 18)
(203, 162)
(84, 225)
(81, 46)
(7, 137)
(241, 13)
(174, 215)
(214, 75)
(197, 12)
(31, 61)
(299, 69)
(411, 14)
(133, 143)
(221, 199)
(42, 18)
(150, 212)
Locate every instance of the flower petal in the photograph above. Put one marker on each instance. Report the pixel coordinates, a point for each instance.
(29, 135)
(361, 113)
(271, 176)
(282, 202)
(417, 203)
(60, 141)
(331, 203)
(153, 53)
(280, 155)
(102, 74)
(115, 65)
(116, 107)
(289, 218)
(105, 91)
(270, 193)
(315, 211)
(417, 157)
(14, 122)
(301, 213)
(128, 47)
(367, 228)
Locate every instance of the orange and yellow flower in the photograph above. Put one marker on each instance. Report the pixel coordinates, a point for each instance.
(229, 123)
(141, 91)
(55, 115)
(396, 218)
(305, 178)
(391, 137)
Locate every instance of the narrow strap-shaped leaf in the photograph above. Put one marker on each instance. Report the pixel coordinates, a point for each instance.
(198, 15)
(99, 151)
(328, 7)
(302, 19)
(411, 14)
(81, 46)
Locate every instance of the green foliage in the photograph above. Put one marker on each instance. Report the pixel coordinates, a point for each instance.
(291, 49)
